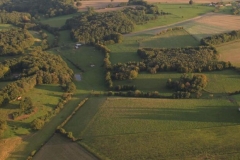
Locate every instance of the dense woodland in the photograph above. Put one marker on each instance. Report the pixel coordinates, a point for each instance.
(15, 41)
(48, 8)
(14, 17)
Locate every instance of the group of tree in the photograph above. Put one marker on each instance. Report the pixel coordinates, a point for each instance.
(137, 93)
(3, 126)
(187, 84)
(221, 38)
(190, 59)
(95, 27)
(125, 88)
(48, 8)
(14, 17)
(36, 68)
(14, 41)
(25, 106)
(148, 8)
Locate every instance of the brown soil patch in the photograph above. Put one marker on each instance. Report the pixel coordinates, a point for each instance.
(8, 145)
(25, 116)
(61, 148)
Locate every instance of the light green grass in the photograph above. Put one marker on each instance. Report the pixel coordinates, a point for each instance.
(164, 129)
(177, 14)
(92, 77)
(57, 21)
(230, 52)
(44, 98)
(5, 26)
(65, 37)
(223, 81)
(151, 82)
(3, 84)
(127, 50)
(172, 39)
(84, 115)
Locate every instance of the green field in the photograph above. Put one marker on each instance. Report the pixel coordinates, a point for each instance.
(57, 21)
(92, 79)
(179, 12)
(127, 50)
(150, 128)
(172, 39)
(44, 98)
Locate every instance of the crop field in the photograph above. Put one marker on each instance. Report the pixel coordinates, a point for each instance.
(230, 52)
(151, 128)
(58, 147)
(172, 39)
(212, 23)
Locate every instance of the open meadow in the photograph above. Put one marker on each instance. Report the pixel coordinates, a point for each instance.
(126, 128)
(172, 39)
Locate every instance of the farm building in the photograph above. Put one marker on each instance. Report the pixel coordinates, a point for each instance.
(77, 45)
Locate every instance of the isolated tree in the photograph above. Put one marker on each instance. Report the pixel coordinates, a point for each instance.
(79, 4)
(37, 124)
(191, 2)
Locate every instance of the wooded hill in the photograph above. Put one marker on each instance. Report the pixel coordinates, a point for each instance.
(15, 41)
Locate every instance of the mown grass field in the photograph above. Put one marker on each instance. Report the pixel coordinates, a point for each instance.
(162, 129)
(179, 12)
(127, 50)
(92, 79)
(230, 52)
(57, 21)
(172, 39)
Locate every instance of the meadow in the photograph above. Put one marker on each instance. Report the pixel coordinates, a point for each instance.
(179, 12)
(5, 26)
(172, 39)
(151, 128)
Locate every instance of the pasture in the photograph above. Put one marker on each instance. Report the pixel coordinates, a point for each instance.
(230, 52)
(92, 77)
(57, 21)
(126, 128)
(44, 98)
(127, 50)
(171, 39)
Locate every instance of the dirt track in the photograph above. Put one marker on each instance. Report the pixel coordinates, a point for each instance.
(60, 148)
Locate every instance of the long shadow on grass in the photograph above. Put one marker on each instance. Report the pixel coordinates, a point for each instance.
(199, 114)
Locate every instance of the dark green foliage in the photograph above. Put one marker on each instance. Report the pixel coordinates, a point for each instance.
(70, 87)
(221, 38)
(124, 71)
(187, 84)
(191, 59)
(37, 124)
(94, 27)
(3, 126)
(137, 93)
(149, 8)
(14, 17)
(48, 8)
(125, 87)
(15, 41)
(26, 105)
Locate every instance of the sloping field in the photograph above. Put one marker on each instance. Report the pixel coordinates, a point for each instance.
(212, 23)
(230, 52)
(164, 129)
(172, 39)
(60, 148)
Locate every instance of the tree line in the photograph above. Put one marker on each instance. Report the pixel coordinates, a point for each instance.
(35, 7)
(14, 17)
(221, 38)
